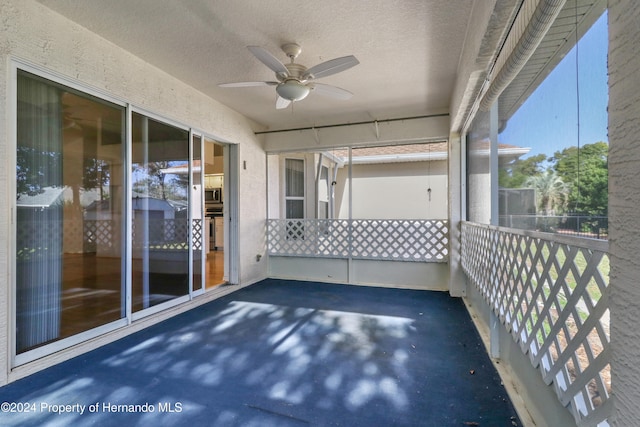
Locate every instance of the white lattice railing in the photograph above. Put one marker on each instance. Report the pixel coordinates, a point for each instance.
(163, 234)
(382, 239)
(550, 292)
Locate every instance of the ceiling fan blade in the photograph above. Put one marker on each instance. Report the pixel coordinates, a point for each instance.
(328, 68)
(248, 84)
(268, 59)
(282, 103)
(331, 91)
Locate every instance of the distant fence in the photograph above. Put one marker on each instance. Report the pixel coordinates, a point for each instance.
(595, 227)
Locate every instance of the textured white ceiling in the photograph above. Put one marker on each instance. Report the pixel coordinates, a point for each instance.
(408, 50)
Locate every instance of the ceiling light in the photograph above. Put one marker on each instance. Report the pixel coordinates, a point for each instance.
(292, 90)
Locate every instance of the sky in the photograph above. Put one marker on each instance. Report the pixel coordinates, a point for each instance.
(548, 121)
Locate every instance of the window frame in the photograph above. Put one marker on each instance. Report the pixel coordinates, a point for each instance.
(287, 198)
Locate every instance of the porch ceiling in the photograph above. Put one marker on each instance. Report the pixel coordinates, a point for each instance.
(408, 50)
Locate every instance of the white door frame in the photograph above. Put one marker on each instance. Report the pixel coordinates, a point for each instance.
(231, 213)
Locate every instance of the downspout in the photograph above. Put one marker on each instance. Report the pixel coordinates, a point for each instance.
(542, 19)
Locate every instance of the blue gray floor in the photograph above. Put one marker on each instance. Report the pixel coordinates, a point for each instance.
(282, 353)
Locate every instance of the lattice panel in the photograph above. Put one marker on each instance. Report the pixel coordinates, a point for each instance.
(161, 234)
(101, 233)
(407, 240)
(301, 237)
(196, 234)
(32, 236)
(551, 294)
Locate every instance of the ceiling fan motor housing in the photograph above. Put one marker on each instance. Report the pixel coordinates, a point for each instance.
(292, 50)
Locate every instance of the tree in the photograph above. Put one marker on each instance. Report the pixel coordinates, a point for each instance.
(513, 175)
(154, 182)
(97, 174)
(37, 169)
(551, 192)
(586, 172)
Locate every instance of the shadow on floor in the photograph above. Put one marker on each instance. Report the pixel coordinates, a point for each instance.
(282, 353)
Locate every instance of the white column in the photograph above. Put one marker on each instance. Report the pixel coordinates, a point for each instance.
(457, 193)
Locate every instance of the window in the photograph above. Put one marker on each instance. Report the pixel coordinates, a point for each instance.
(294, 188)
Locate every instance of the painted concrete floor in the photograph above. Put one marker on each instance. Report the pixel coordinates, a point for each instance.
(281, 353)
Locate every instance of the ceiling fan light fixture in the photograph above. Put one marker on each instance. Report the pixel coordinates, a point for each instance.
(292, 90)
(295, 81)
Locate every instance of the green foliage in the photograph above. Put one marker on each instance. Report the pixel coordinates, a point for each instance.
(586, 171)
(97, 174)
(153, 182)
(34, 170)
(516, 173)
(582, 175)
(551, 192)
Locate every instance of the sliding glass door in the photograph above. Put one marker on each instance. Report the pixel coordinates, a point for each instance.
(160, 209)
(105, 232)
(69, 212)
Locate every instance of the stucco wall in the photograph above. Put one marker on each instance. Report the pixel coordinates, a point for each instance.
(394, 274)
(33, 34)
(394, 191)
(624, 203)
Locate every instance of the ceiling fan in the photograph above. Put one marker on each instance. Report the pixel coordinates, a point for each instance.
(295, 81)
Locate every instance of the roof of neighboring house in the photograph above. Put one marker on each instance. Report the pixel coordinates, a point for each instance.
(436, 147)
(419, 152)
(182, 168)
(394, 153)
(48, 196)
(484, 145)
(506, 152)
(173, 204)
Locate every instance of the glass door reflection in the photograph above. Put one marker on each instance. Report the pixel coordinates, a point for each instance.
(69, 213)
(198, 229)
(160, 206)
